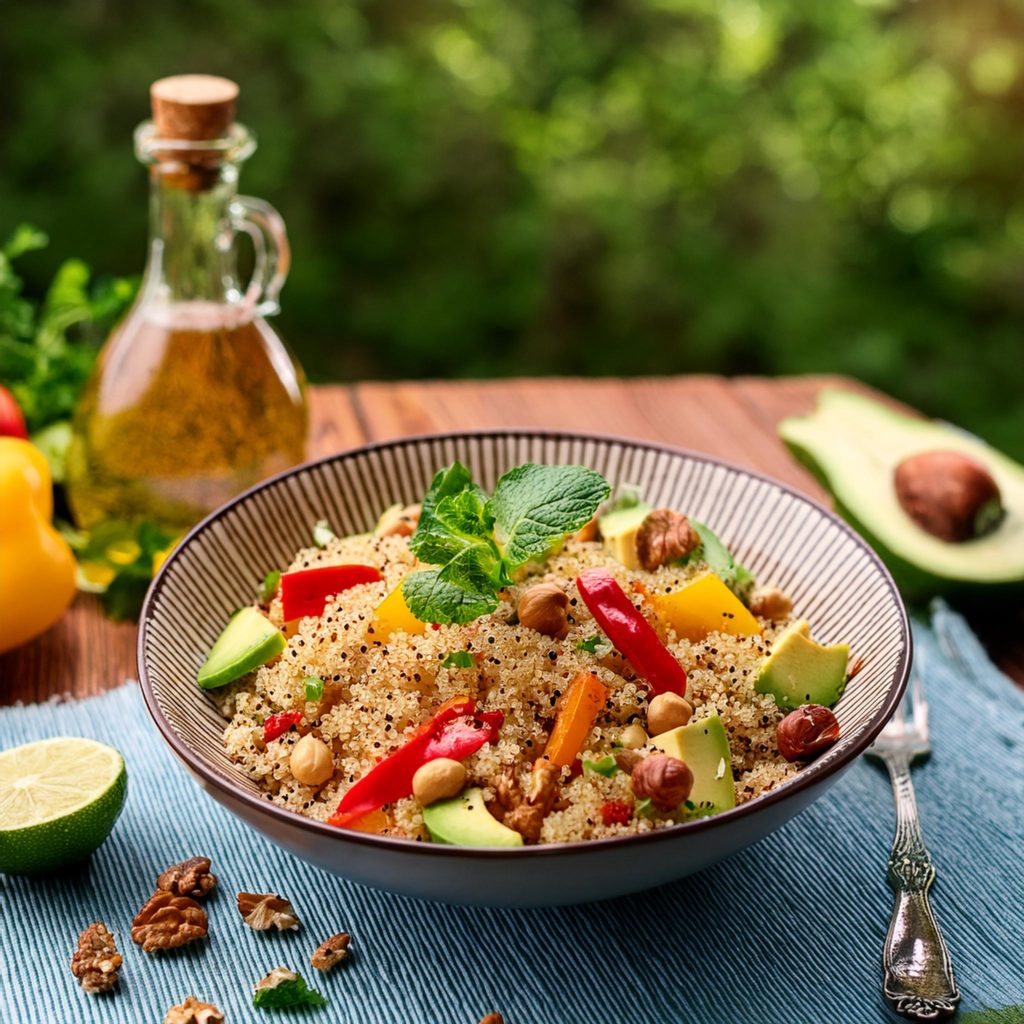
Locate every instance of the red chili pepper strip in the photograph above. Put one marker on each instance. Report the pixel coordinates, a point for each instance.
(456, 731)
(305, 592)
(277, 725)
(616, 812)
(631, 633)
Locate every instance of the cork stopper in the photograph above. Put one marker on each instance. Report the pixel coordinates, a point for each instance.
(195, 107)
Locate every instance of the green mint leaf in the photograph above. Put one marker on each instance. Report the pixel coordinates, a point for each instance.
(718, 558)
(461, 591)
(457, 659)
(447, 482)
(534, 507)
(268, 588)
(323, 534)
(314, 687)
(606, 766)
(456, 522)
(286, 993)
(594, 645)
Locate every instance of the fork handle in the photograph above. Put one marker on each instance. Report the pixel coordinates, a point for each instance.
(918, 978)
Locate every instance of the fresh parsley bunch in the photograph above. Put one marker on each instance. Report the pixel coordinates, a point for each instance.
(477, 541)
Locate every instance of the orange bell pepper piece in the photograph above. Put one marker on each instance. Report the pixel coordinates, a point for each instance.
(583, 700)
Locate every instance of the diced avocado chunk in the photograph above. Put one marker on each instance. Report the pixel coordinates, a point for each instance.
(465, 821)
(854, 444)
(704, 746)
(801, 671)
(249, 640)
(619, 529)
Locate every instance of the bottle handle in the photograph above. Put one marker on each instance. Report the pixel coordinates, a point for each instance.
(263, 224)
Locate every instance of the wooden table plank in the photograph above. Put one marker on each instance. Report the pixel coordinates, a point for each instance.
(733, 419)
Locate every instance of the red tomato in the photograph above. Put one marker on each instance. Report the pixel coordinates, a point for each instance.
(12, 423)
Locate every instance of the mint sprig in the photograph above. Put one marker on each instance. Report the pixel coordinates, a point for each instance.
(283, 989)
(477, 541)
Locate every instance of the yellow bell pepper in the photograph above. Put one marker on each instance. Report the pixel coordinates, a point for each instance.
(393, 614)
(37, 569)
(704, 606)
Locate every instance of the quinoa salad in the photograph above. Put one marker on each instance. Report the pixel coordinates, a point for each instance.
(543, 664)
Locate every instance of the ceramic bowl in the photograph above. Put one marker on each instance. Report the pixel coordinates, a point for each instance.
(834, 578)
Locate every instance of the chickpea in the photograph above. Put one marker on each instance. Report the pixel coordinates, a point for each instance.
(667, 711)
(311, 762)
(633, 737)
(438, 780)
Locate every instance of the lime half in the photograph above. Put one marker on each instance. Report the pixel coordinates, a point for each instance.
(59, 799)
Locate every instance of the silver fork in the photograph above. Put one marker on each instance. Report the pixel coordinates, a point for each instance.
(918, 973)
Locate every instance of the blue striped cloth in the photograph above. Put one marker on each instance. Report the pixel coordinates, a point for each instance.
(787, 932)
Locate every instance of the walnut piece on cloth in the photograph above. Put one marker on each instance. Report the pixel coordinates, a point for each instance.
(193, 1011)
(331, 952)
(189, 878)
(263, 911)
(167, 921)
(96, 961)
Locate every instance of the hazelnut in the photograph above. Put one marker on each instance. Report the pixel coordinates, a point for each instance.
(666, 780)
(633, 737)
(667, 711)
(949, 495)
(438, 780)
(544, 607)
(770, 603)
(312, 762)
(804, 732)
(663, 537)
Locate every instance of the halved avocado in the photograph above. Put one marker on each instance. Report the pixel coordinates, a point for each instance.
(248, 641)
(704, 745)
(853, 445)
(465, 821)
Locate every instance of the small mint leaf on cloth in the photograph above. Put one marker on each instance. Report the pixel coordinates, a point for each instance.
(535, 506)
(282, 989)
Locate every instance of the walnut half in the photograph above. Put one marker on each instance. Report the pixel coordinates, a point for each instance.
(189, 878)
(263, 911)
(193, 1011)
(167, 921)
(331, 952)
(96, 961)
(664, 536)
(526, 813)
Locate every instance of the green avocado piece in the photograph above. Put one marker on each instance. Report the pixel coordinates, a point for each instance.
(704, 746)
(801, 671)
(619, 529)
(248, 641)
(853, 445)
(465, 821)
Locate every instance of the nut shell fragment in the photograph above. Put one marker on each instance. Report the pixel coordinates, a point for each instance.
(263, 911)
(167, 921)
(189, 878)
(331, 952)
(194, 1011)
(664, 536)
(96, 961)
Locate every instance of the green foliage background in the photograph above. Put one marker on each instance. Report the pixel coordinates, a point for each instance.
(482, 187)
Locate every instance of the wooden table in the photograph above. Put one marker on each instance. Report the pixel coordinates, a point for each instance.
(731, 418)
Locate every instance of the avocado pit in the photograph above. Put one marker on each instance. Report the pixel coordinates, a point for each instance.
(949, 495)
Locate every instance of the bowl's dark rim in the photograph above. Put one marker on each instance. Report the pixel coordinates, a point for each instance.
(809, 776)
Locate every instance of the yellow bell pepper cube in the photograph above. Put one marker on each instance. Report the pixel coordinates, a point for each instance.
(38, 577)
(393, 614)
(704, 606)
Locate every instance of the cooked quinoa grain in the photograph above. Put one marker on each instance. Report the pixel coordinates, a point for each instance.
(377, 690)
